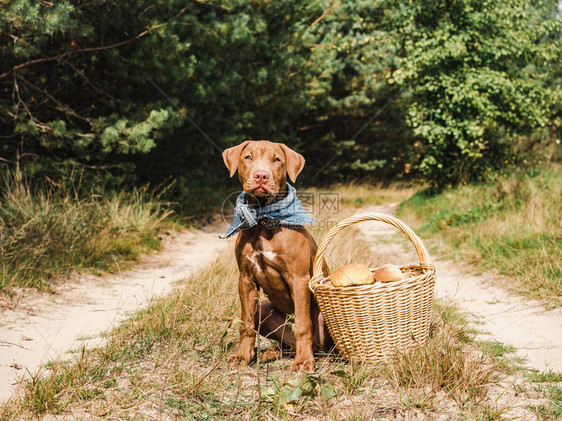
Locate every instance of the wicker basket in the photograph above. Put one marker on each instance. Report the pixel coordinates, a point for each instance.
(371, 321)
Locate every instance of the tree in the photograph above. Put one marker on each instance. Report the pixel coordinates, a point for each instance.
(478, 72)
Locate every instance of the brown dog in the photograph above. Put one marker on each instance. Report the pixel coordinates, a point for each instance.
(277, 259)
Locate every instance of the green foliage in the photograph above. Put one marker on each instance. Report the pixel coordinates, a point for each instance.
(70, 104)
(477, 71)
(547, 385)
(312, 385)
(148, 92)
(545, 376)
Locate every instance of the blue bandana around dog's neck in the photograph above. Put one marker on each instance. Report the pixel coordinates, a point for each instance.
(288, 212)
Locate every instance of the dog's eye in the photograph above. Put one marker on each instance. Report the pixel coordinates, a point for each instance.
(248, 157)
(276, 160)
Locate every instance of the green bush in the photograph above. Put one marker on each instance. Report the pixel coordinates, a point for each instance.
(479, 74)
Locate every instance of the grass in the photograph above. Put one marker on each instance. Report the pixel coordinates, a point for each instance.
(548, 386)
(169, 361)
(552, 409)
(45, 233)
(447, 364)
(512, 225)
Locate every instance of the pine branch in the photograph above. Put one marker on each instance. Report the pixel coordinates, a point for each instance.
(70, 53)
(92, 49)
(59, 106)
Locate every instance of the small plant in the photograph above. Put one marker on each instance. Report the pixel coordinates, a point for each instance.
(295, 390)
(548, 376)
(547, 385)
(502, 354)
(415, 398)
(355, 375)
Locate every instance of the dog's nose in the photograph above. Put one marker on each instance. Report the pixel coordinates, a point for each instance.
(261, 177)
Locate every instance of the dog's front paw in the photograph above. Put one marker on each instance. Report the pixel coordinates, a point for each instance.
(303, 364)
(242, 357)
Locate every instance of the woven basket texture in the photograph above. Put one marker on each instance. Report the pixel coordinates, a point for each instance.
(370, 322)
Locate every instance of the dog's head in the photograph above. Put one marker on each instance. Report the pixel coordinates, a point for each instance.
(263, 166)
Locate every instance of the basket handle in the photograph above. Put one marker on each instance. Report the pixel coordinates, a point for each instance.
(423, 256)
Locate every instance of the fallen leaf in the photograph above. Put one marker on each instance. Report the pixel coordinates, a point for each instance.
(288, 394)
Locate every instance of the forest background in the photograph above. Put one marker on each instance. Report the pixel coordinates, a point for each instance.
(137, 92)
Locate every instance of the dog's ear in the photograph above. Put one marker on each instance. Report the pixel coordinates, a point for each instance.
(295, 162)
(231, 156)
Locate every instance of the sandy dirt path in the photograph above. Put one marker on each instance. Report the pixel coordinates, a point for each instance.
(500, 315)
(39, 327)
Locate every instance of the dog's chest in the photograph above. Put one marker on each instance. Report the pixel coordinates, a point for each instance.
(266, 269)
(260, 261)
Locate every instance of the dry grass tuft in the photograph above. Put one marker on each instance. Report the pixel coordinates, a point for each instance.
(46, 233)
(445, 364)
